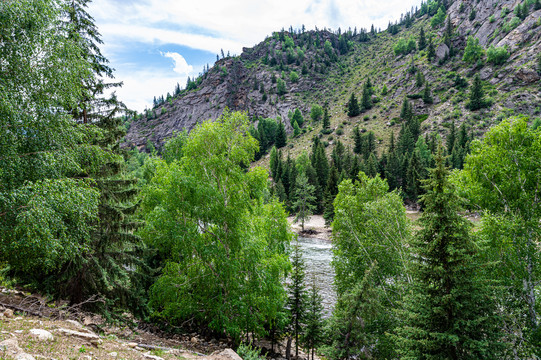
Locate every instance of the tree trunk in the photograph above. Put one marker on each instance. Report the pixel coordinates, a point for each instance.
(288, 348)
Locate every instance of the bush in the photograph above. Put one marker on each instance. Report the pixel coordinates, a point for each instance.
(339, 131)
(438, 19)
(247, 352)
(511, 24)
(293, 77)
(326, 131)
(473, 51)
(497, 56)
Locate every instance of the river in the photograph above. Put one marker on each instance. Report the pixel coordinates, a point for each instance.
(317, 254)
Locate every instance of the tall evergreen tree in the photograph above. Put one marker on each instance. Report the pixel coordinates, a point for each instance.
(477, 94)
(366, 99)
(104, 268)
(353, 106)
(431, 51)
(427, 94)
(297, 296)
(304, 199)
(313, 333)
(281, 136)
(449, 310)
(326, 117)
(422, 39)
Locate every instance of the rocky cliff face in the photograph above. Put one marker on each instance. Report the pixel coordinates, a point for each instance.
(247, 82)
(241, 83)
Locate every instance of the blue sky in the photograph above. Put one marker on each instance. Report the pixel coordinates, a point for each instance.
(153, 44)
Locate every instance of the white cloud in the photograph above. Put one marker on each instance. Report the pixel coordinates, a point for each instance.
(141, 86)
(181, 66)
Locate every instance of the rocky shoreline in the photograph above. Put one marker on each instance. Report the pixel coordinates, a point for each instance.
(313, 228)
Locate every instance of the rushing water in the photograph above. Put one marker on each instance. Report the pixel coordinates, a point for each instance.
(317, 254)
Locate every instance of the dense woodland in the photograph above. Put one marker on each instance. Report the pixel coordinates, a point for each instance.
(194, 238)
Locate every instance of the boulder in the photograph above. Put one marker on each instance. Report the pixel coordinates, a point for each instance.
(527, 75)
(8, 313)
(83, 335)
(227, 354)
(442, 51)
(41, 335)
(10, 346)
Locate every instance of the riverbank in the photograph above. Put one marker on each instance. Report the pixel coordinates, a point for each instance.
(313, 228)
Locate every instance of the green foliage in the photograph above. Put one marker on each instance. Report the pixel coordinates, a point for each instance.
(316, 112)
(363, 232)
(477, 94)
(438, 19)
(539, 64)
(326, 117)
(511, 24)
(353, 106)
(497, 55)
(206, 218)
(304, 203)
(293, 77)
(247, 352)
(280, 87)
(297, 300)
(48, 210)
(313, 334)
(351, 327)
(281, 136)
(449, 309)
(404, 47)
(473, 51)
(473, 14)
(501, 176)
(296, 117)
(427, 94)
(422, 39)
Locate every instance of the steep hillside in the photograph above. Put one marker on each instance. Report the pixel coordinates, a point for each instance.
(330, 73)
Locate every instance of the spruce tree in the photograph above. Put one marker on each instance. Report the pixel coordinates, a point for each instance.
(366, 99)
(422, 39)
(103, 268)
(477, 94)
(449, 311)
(353, 106)
(281, 136)
(313, 333)
(419, 79)
(450, 141)
(427, 94)
(304, 199)
(297, 296)
(326, 117)
(357, 140)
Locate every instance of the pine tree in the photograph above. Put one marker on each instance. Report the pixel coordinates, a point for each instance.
(353, 106)
(366, 99)
(304, 199)
(326, 117)
(330, 193)
(297, 297)
(420, 79)
(281, 136)
(427, 95)
(422, 39)
(477, 94)
(357, 140)
(296, 129)
(449, 310)
(313, 333)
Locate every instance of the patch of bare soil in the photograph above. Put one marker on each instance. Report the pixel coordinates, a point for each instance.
(315, 227)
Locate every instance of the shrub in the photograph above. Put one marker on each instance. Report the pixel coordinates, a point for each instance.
(511, 24)
(497, 55)
(293, 77)
(438, 19)
(339, 131)
(473, 51)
